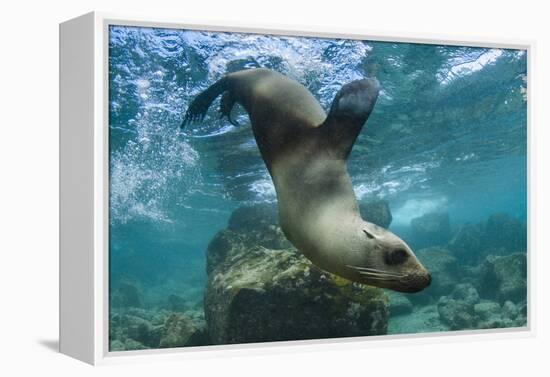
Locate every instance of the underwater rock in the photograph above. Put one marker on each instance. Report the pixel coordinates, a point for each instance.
(399, 304)
(421, 319)
(248, 225)
(505, 232)
(131, 344)
(141, 330)
(270, 295)
(226, 241)
(260, 224)
(218, 248)
(431, 229)
(253, 217)
(199, 338)
(491, 315)
(457, 310)
(257, 294)
(510, 310)
(456, 314)
(504, 277)
(137, 328)
(377, 212)
(501, 234)
(466, 293)
(116, 345)
(467, 243)
(126, 295)
(443, 269)
(463, 309)
(486, 310)
(180, 331)
(521, 319)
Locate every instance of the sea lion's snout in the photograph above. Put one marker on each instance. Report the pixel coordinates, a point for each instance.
(414, 276)
(415, 282)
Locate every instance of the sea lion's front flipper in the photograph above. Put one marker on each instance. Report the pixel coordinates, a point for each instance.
(350, 109)
(199, 106)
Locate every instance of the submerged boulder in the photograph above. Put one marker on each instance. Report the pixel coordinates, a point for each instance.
(501, 234)
(467, 243)
(510, 310)
(504, 277)
(466, 293)
(259, 294)
(457, 310)
(431, 229)
(505, 233)
(126, 294)
(131, 344)
(422, 319)
(116, 345)
(267, 295)
(253, 217)
(456, 314)
(487, 310)
(443, 268)
(377, 212)
(491, 315)
(180, 331)
(399, 304)
(259, 223)
(464, 309)
(133, 329)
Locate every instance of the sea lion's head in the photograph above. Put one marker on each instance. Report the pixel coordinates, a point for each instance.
(382, 259)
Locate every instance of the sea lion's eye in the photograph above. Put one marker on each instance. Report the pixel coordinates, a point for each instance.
(369, 235)
(395, 257)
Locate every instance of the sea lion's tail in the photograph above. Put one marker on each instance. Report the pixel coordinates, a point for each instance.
(199, 106)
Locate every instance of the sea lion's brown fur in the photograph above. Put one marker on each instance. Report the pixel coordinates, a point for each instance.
(306, 154)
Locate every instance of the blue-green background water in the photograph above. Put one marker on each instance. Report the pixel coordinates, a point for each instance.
(448, 133)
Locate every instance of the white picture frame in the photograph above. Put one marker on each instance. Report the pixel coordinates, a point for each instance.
(84, 190)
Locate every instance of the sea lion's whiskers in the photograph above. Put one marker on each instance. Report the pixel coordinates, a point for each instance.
(364, 270)
(382, 278)
(379, 274)
(372, 269)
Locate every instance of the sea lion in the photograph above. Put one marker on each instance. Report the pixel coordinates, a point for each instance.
(306, 153)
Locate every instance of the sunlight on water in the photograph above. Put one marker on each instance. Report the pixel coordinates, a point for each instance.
(418, 207)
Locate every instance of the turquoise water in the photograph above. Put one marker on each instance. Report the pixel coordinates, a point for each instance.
(447, 135)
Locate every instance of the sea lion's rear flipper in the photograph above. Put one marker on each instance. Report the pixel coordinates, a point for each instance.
(199, 106)
(350, 109)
